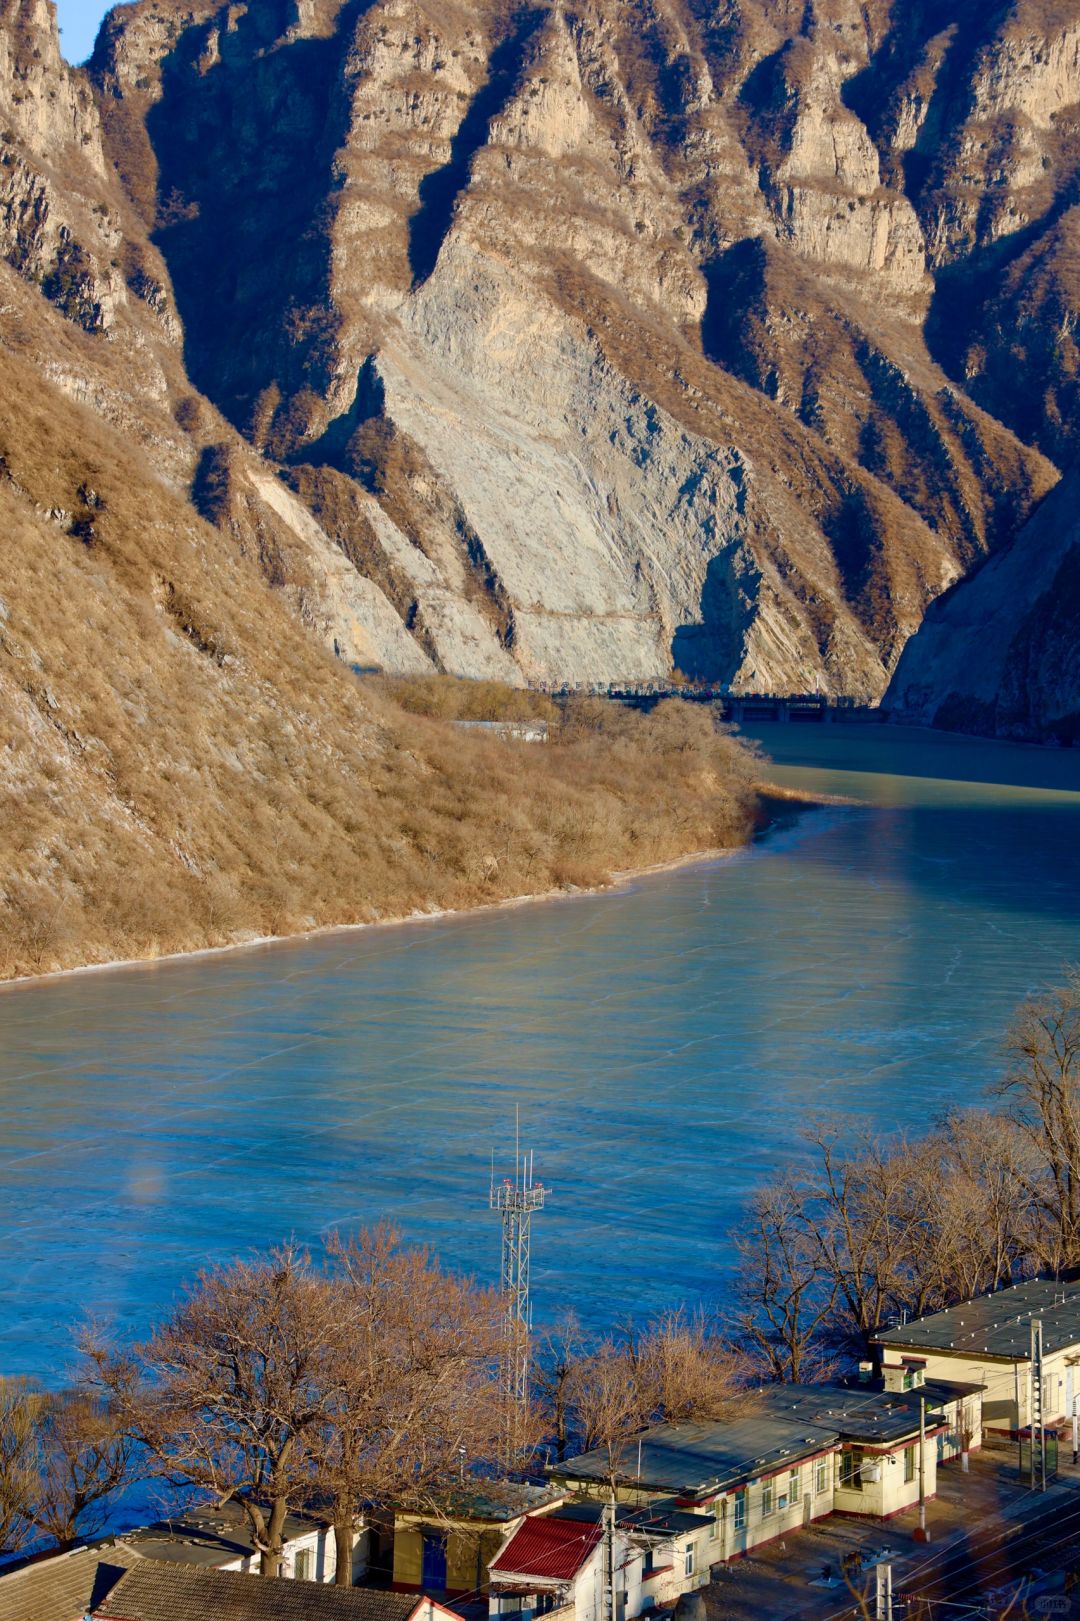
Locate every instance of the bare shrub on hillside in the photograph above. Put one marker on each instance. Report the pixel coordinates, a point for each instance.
(187, 767)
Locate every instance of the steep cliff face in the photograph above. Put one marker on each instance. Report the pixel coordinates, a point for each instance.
(570, 343)
(590, 340)
(976, 111)
(1000, 653)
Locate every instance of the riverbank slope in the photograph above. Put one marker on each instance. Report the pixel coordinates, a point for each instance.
(183, 765)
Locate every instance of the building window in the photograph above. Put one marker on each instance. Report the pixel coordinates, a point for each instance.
(909, 1464)
(740, 1510)
(767, 1489)
(821, 1475)
(714, 1528)
(302, 1564)
(794, 1486)
(688, 1560)
(851, 1469)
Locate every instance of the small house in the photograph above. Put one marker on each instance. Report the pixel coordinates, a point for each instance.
(447, 1549)
(876, 1467)
(549, 1566)
(987, 1342)
(792, 1455)
(749, 1478)
(219, 1538)
(555, 1563)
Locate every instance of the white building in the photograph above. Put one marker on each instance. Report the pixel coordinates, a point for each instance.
(987, 1341)
(220, 1539)
(791, 1455)
(554, 1564)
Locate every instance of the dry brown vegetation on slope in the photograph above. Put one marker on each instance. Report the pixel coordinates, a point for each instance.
(181, 764)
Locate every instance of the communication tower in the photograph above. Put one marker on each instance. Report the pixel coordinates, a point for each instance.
(516, 1201)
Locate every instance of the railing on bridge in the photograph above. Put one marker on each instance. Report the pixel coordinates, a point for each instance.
(737, 706)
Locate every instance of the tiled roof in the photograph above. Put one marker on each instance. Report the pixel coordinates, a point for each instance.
(159, 1591)
(552, 1549)
(63, 1586)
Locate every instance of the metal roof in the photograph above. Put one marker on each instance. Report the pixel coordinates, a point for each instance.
(491, 1501)
(208, 1535)
(662, 1520)
(697, 1460)
(858, 1412)
(548, 1547)
(997, 1325)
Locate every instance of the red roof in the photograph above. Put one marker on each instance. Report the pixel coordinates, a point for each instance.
(549, 1548)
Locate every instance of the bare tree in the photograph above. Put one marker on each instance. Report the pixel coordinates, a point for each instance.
(556, 1355)
(414, 1382)
(864, 1225)
(1043, 1089)
(235, 1387)
(786, 1294)
(683, 1370)
(607, 1403)
(672, 1370)
(19, 1478)
(85, 1456)
(974, 1181)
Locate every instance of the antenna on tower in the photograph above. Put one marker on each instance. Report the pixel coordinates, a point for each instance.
(516, 1201)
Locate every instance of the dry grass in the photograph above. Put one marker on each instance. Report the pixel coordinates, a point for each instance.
(182, 766)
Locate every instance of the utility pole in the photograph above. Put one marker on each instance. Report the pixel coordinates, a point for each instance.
(610, 1607)
(883, 1610)
(516, 1201)
(1038, 1430)
(921, 1533)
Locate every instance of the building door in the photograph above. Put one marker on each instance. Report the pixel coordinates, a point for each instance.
(433, 1564)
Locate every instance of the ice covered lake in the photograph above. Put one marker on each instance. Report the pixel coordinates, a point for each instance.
(665, 1042)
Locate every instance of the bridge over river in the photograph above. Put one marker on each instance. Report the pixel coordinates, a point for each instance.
(741, 707)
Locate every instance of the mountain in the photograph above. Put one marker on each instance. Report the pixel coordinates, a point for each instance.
(183, 760)
(1000, 652)
(567, 343)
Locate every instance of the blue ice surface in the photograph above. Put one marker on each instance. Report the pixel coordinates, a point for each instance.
(666, 1042)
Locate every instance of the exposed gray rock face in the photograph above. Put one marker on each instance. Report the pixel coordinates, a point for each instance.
(1000, 653)
(569, 345)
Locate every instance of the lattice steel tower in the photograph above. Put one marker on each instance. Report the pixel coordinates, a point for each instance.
(516, 1201)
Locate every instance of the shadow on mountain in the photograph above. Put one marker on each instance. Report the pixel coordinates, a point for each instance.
(712, 650)
(440, 190)
(244, 135)
(735, 293)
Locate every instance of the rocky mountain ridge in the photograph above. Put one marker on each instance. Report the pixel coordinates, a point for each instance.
(567, 343)
(1000, 653)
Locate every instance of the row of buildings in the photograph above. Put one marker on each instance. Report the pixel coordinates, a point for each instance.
(687, 1497)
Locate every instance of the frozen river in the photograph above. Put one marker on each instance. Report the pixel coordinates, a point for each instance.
(665, 1043)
